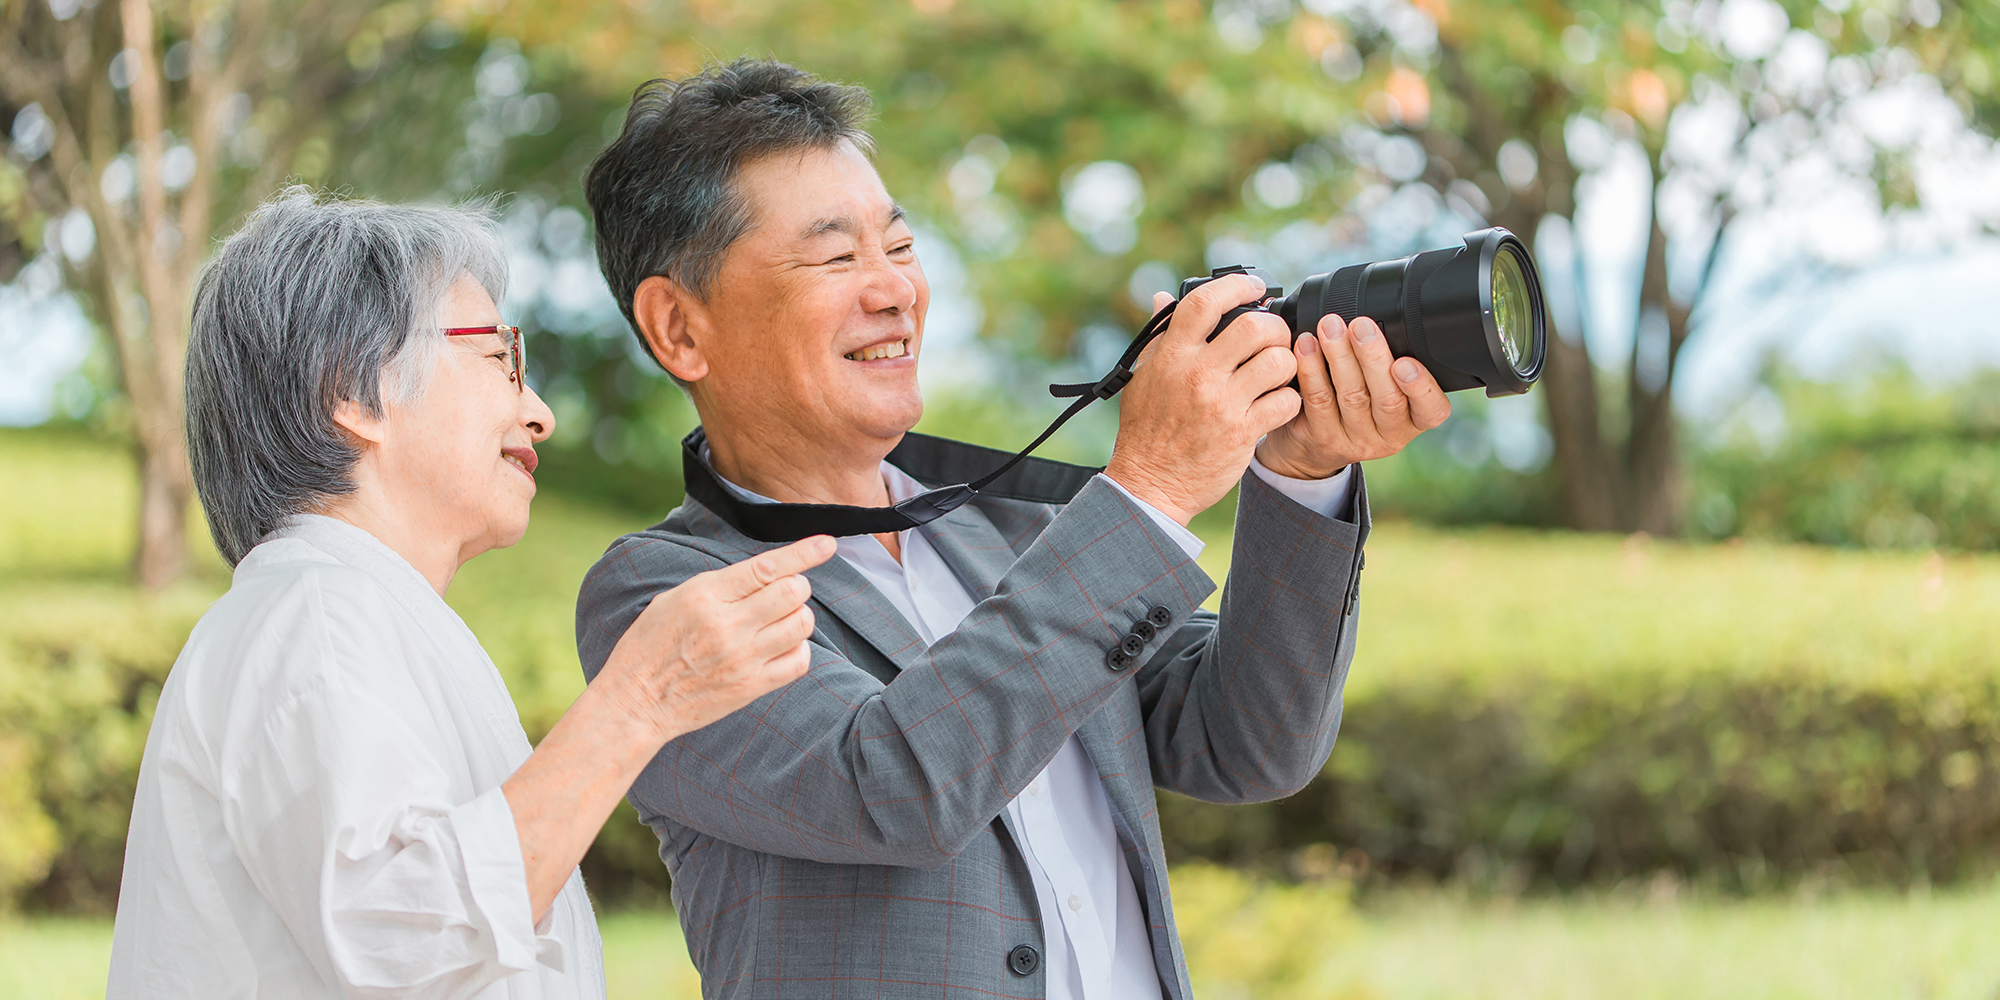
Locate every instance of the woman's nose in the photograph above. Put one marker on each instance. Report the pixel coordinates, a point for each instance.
(536, 415)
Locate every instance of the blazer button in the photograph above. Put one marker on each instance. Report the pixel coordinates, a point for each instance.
(1144, 630)
(1132, 645)
(1160, 616)
(1117, 659)
(1024, 960)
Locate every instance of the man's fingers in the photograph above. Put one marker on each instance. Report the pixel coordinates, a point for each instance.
(1315, 383)
(1429, 406)
(1350, 387)
(1274, 409)
(1270, 368)
(1202, 308)
(759, 571)
(1372, 349)
(1160, 300)
(1244, 338)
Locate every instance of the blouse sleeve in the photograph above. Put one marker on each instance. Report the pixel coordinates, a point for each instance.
(340, 805)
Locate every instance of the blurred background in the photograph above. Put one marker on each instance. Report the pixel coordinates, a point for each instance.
(1679, 675)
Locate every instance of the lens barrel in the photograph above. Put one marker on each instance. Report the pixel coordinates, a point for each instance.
(1473, 315)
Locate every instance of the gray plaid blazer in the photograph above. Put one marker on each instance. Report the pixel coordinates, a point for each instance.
(846, 836)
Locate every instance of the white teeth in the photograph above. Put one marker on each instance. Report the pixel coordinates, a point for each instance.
(523, 465)
(894, 349)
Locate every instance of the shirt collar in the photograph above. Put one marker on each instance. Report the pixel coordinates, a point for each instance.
(901, 486)
(360, 550)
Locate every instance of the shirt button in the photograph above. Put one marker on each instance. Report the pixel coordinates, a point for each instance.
(1035, 787)
(1075, 902)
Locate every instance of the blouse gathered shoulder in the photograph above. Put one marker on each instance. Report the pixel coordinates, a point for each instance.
(319, 811)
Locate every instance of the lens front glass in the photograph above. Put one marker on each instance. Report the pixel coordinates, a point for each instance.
(1513, 316)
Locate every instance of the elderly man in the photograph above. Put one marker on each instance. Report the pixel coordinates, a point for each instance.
(957, 800)
(337, 798)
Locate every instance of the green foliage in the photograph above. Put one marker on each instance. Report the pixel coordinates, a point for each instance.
(1731, 781)
(1538, 710)
(1250, 937)
(1742, 714)
(1886, 463)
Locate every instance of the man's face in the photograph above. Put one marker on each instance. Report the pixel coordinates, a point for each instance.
(817, 314)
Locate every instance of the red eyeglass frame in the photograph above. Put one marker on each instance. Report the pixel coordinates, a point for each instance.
(515, 348)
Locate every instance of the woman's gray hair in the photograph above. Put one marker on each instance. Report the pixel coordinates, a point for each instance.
(316, 300)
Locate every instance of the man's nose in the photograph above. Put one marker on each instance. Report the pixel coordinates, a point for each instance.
(888, 289)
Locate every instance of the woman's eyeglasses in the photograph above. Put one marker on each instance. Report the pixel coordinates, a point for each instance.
(517, 357)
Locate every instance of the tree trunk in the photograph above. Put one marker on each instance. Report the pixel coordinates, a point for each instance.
(158, 251)
(1652, 455)
(1584, 468)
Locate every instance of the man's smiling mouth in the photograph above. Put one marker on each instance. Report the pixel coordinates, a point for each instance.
(892, 349)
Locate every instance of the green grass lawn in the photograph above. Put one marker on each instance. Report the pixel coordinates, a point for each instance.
(1411, 946)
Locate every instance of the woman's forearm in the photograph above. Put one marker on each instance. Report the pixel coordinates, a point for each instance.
(567, 788)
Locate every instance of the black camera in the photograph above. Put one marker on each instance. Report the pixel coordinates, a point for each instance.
(1473, 315)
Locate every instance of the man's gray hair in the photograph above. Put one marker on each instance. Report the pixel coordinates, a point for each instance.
(664, 192)
(315, 301)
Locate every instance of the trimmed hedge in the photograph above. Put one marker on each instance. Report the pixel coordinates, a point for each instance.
(1742, 784)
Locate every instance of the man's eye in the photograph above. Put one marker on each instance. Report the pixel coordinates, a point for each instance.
(846, 258)
(905, 248)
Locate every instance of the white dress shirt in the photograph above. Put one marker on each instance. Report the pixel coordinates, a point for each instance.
(1095, 941)
(319, 811)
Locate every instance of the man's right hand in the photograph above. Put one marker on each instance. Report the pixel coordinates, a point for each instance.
(1195, 409)
(719, 641)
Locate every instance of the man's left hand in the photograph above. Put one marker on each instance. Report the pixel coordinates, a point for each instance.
(1361, 402)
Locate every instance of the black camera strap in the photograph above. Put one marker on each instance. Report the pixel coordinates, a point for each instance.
(928, 460)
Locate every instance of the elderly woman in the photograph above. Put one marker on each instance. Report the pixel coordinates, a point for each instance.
(337, 797)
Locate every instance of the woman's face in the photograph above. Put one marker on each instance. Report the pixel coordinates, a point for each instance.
(463, 453)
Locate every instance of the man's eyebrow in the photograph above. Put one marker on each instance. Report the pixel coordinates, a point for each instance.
(845, 225)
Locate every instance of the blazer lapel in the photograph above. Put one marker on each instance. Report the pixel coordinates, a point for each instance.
(973, 548)
(841, 589)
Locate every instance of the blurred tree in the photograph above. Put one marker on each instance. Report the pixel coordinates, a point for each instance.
(139, 132)
(1058, 145)
(1504, 88)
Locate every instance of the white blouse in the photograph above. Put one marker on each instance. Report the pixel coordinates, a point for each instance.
(319, 811)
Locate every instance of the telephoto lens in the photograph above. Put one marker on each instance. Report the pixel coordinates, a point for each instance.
(1472, 315)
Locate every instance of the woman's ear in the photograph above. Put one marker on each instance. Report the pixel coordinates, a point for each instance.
(661, 308)
(363, 426)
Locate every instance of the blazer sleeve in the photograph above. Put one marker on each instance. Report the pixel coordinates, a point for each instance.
(841, 768)
(1244, 706)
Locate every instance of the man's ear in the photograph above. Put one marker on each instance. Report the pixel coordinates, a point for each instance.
(363, 426)
(661, 308)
